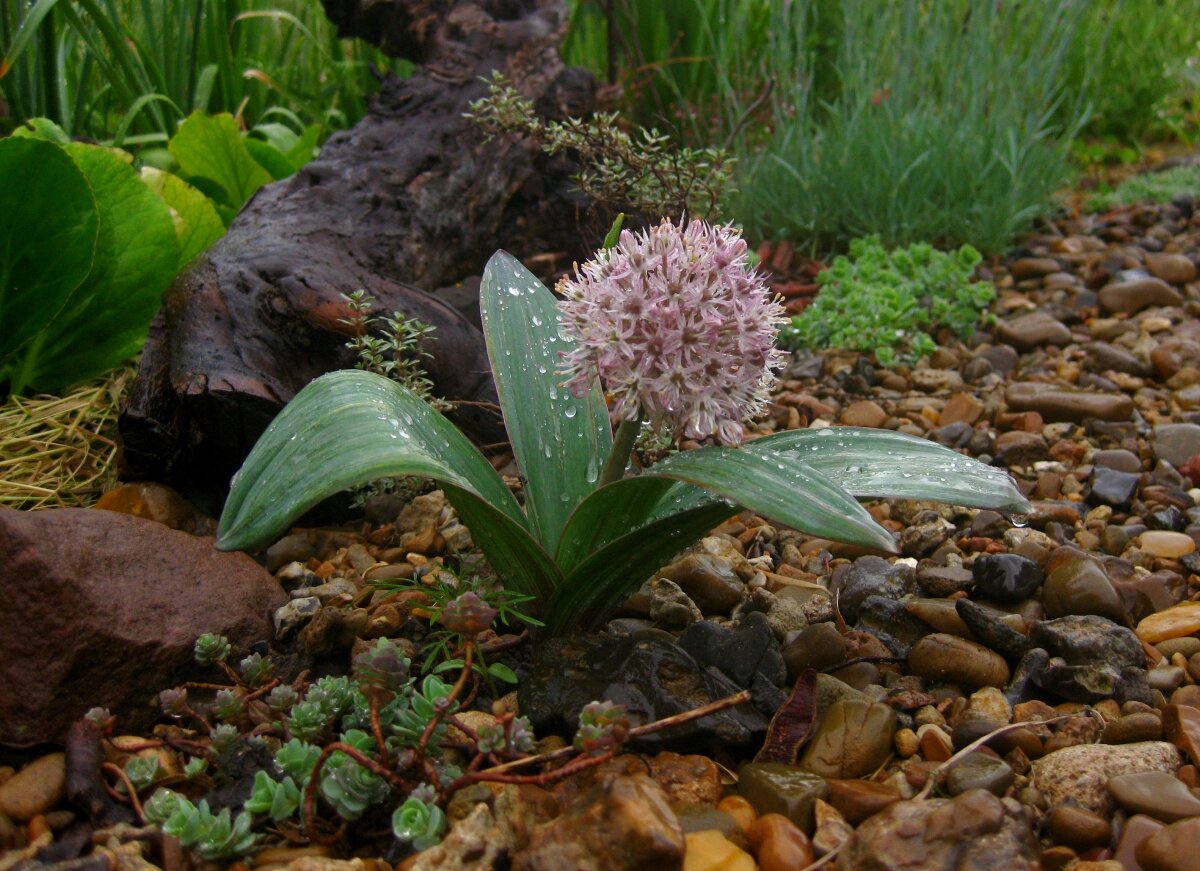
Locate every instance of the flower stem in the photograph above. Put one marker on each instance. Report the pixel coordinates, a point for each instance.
(618, 457)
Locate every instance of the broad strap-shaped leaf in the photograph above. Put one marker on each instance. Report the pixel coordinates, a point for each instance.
(560, 442)
(49, 224)
(878, 463)
(343, 429)
(620, 508)
(778, 487)
(588, 593)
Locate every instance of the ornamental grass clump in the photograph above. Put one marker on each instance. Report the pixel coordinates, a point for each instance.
(681, 331)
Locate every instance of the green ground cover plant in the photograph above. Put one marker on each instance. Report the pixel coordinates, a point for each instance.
(1153, 187)
(100, 68)
(889, 303)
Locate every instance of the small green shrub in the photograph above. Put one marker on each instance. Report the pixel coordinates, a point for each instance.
(1152, 187)
(888, 303)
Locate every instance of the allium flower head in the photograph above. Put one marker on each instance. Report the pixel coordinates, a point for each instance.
(678, 327)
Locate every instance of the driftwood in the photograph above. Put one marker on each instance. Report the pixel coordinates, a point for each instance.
(410, 200)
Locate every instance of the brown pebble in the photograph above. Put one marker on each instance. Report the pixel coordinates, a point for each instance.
(1173, 848)
(740, 810)
(1078, 828)
(35, 789)
(1058, 858)
(779, 844)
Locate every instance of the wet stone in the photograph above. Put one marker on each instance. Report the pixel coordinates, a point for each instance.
(1075, 584)
(1077, 828)
(1080, 774)
(1176, 442)
(1136, 829)
(988, 629)
(872, 576)
(1171, 268)
(941, 581)
(975, 830)
(1156, 794)
(295, 614)
(1165, 544)
(779, 844)
(1033, 330)
(818, 647)
(858, 800)
(852, 740)
(1006, 577)
(1110, 487)
(1119, 459)
(979, 771)
(948, 659)
(1142, 726)
(1173, 848)
(739, 651)
(1103, 357)
(670, 606)
(1130, 297)
(1175, 622)
(710, 582)
(1181, 726)
(773, 787)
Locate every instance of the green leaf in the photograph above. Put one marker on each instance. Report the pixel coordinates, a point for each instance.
(305, 147)
(351, 427)
(268, 157)
(877, 463)
(211, 147)
(589, 592)
(620, 508)
(560, 442)
(106, 319)
(197, 224)
(49, 226)
(778, 486)
(500, 671)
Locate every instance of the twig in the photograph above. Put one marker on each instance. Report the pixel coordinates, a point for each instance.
(637, 731)
(937, 773)
(130, 790)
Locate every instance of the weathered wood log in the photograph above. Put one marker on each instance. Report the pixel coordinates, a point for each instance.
(410, 200)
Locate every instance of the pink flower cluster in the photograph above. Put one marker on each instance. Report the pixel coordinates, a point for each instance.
(677, 326)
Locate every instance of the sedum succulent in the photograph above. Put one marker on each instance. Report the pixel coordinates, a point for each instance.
(349, 787)
(278, 798)
(211, 649)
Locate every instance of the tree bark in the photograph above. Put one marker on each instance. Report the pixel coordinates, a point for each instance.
(410, 200)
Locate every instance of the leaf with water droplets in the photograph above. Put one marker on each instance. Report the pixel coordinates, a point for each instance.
(520, 323)
(878, 463)
(342, 430)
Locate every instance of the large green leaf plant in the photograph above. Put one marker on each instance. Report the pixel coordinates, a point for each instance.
(582, 542)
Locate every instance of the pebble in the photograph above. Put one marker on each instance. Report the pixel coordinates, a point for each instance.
(1026, 268)
(949, 659)
(831, 829)
(979, 770)
(774, 787)
(1006, 577)
(1175, 622)
(1077, 585)
(1110, 487)
(1142, 726)
(1173, 848)
(739, 809)
(1165, 544)
(1176, 442)
(853, 739)
(1181, 726)
(708, 581)
(1077, 828)
(858, 800)
(961, 408)
(1130, 297)
(1063, 404)
(35, 789)
(778, 844)
(712, 851)
(1156, 794)
(817, 646)
(973, 830)
(295, 614)
(1033, 330)
(1136, 829)
(865, 412)
(1080, 774)
(1172, 268)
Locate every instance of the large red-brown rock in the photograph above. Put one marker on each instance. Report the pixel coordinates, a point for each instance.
(102, 609)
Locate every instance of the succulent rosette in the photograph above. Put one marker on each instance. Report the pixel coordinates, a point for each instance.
(678, 326)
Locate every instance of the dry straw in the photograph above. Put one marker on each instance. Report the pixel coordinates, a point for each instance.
(60, 452)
